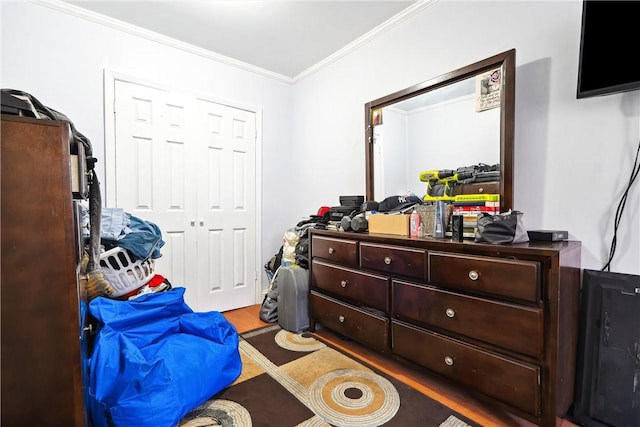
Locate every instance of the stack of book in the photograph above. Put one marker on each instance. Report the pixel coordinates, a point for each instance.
(470, 206)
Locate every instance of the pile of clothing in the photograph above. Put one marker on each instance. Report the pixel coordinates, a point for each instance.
(142, 239)
(128, 247)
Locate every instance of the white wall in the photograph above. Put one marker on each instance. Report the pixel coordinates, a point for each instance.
(391, 138)
(572, 157)
(436, 141)
(59, 59)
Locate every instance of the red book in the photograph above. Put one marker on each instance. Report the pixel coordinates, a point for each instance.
(464, 209)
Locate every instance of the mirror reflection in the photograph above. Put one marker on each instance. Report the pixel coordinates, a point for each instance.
(449, 136)
(439, 130)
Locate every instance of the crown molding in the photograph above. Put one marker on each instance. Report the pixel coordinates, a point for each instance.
(366, 38)
(156, 37)
(189, 48)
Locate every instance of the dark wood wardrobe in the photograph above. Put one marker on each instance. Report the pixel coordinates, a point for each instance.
(42, 375)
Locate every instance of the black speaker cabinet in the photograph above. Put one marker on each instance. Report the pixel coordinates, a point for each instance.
(608, 370)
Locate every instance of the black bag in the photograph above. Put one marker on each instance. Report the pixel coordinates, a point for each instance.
(302, 252)
(49, 113)
(274, 263)
(269, 309)
(501, 228)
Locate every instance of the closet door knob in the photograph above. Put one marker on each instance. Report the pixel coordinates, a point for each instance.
(193, 223)
(473, 275)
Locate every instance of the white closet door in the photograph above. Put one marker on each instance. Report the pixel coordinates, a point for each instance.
(226, 206)
(172, 169)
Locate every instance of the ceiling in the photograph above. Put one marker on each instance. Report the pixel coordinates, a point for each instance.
(284, 38)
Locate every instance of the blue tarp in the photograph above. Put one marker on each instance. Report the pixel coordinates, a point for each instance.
(154, 360)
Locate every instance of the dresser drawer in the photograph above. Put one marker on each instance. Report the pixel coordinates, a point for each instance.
(341, 251)
(516, 328)
(365, 289)
(359, 325)
(406, 262)
(498, 276)
(508, 380)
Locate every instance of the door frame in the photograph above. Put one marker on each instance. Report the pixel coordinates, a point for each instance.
(109, 80)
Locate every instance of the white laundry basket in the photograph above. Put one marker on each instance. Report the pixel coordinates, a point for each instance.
(123, 273)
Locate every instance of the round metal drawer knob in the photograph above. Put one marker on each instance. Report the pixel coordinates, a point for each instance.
(341, 319)
(448, 360)
(387, 260)
(450, 312)
(331, 250)
(343, 283)
(473, 275)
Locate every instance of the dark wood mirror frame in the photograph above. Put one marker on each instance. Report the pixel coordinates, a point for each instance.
(507, 117)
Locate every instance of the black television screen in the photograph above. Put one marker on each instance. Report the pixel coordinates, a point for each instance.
(609, 47)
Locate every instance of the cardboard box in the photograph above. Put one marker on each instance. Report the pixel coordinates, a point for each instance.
(389, 224)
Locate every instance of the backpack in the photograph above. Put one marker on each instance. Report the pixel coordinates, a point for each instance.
(269, 308)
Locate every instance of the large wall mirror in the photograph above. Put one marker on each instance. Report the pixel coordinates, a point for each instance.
(461, 121)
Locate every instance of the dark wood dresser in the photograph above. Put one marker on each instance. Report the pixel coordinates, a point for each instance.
(42, 379)
(499, 320)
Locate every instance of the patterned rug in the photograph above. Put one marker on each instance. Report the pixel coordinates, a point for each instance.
(294, 380)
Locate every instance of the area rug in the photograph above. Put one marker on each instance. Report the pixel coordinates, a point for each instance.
(294, 380)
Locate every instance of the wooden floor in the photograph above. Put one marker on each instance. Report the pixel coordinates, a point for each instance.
(246, 319)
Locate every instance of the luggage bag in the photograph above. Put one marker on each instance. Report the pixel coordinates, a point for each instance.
(293, 298)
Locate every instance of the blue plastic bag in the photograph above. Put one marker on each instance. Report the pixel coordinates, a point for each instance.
(154, 360)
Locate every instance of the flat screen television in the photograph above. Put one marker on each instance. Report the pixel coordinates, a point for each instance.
(609, 47)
